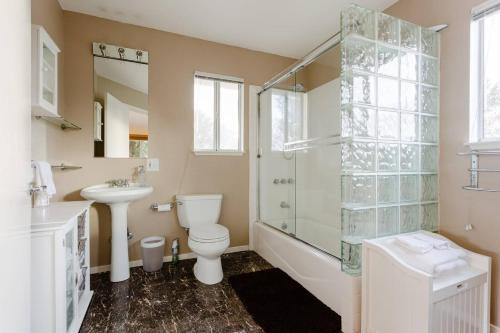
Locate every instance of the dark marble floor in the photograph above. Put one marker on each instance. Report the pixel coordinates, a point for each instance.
(172, 300)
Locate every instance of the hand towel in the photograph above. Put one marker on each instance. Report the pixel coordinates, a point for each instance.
(437, 243)
(44, 177)
(450, 266)
(429, 261)
(413, 244)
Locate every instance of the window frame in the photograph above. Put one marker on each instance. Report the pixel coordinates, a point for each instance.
(217, 79)
(476, 79)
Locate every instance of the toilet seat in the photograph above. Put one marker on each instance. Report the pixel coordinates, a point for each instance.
(212, 233)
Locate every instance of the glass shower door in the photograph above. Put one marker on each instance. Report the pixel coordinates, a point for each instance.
(276, 167)
(299, 180)
(317, 89)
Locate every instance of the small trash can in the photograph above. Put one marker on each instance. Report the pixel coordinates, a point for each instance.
(152, 249)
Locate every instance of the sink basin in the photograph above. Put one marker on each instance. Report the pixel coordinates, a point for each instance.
(118, 199)
(105, 194)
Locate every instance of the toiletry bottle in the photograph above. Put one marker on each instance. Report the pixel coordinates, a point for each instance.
(140, 175)
(175, 251)
(41, 197)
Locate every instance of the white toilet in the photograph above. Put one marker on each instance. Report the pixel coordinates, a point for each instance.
(200, 214)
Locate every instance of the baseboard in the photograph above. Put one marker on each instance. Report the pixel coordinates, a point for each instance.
(494, 329)
(183, 256)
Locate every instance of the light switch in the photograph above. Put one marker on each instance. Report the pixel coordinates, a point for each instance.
(153, 164)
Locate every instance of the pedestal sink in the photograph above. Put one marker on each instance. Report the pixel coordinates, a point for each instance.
(117, 198)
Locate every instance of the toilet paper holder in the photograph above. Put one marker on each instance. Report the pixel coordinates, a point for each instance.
(166, 207)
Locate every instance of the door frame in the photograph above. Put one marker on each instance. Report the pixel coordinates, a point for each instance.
(253, 150)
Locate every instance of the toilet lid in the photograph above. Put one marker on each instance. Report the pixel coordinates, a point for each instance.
(208, 233)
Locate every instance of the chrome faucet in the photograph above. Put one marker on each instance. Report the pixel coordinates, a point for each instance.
(118, 183)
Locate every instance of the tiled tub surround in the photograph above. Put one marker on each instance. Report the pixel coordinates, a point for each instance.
(390, 117)
(172, 300)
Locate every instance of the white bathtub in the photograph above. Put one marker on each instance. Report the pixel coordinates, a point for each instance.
(318, 272)
(319, 235)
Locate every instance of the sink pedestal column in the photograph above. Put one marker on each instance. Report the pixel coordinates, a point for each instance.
(120, 270)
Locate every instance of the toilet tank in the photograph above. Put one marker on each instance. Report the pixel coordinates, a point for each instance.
(198, 209)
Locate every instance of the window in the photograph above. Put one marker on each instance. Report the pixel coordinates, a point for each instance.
(218, 114)
(485, 75)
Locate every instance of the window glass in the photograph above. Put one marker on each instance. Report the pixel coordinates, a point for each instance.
(229, 116)
(491, 79)
(217, 115)
(204, 115)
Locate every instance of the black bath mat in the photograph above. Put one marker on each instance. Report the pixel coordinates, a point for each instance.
(280, 305)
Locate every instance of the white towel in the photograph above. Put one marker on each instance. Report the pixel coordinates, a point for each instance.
(430, 261)
(409, 242)
(437, 243)
(43, 174)
(450, 266)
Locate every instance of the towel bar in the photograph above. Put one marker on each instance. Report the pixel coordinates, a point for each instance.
(480, 189)
(479, 152)
(474, 170)
(483, 170)
(63, 166)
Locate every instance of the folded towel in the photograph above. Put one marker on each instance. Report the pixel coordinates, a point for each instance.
(43, 174)
(450, 266)
(430, 261)
(437, 243)
(409, 242)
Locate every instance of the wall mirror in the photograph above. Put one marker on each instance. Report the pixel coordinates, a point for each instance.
(120, 102)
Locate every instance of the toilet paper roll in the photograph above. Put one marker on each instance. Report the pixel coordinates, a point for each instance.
(165, 207)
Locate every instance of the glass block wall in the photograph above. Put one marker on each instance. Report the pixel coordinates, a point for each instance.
(390, 122)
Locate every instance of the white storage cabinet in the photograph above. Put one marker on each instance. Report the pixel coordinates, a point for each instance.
(60, 274)
(44, 72)
(397, 298)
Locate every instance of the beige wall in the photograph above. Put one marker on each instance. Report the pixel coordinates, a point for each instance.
(459, 207)
(173, 61)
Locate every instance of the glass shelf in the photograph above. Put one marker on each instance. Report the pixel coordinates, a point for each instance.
(61, 122)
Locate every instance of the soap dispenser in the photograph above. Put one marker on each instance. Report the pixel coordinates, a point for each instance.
(140, 175)
(41, 197)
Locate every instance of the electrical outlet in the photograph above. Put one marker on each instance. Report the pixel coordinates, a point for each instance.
(153, 164)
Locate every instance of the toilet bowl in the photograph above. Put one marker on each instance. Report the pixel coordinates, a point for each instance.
(207, 239)
(209, 243)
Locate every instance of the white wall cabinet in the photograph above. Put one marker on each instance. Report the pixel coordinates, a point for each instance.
(60, 274)
(44, 72)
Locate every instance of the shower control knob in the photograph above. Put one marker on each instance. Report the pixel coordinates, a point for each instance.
(283, 181)
(276, 181)
(290, 181)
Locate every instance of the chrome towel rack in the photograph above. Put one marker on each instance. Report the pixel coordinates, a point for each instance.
(63, 166)
(474, 169)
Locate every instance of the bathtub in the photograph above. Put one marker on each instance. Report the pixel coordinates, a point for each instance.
(317, 271)
(313, 232)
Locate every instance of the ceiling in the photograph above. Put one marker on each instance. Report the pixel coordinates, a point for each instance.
(285, 27)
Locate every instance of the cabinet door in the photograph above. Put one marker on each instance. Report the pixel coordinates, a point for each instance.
(69, 262)
(49, 75)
